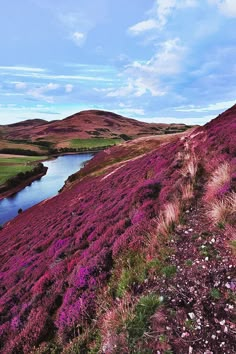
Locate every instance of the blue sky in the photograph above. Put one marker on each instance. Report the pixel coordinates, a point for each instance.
(153, 60)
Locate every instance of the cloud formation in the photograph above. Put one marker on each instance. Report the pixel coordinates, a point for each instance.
(226, 7)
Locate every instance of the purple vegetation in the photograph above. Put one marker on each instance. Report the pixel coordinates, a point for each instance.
(55, 256)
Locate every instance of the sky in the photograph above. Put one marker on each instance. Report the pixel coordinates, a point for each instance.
(154, 60)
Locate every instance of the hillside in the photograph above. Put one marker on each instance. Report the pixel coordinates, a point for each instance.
(83, 125)
(135, 255)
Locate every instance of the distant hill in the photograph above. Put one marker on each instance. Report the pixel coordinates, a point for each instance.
(135, 255)
(85, 125)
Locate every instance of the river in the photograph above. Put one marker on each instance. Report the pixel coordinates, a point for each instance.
(58, 171)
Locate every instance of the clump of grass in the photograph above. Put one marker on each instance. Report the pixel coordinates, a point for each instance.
(187, 191)
(139, 323)
(168, 218)
(131, 269)
(224, 210)
(233, 246)
(215, 294)
(169, 271)
(189, 324)
(219, 179)
(189, 262)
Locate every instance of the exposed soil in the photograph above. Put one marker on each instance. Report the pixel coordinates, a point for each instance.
(199, 314)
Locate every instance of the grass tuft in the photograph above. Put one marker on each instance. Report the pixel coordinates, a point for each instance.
(139, 323)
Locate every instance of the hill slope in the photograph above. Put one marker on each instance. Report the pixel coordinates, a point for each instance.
(135, 255)
(83, 125)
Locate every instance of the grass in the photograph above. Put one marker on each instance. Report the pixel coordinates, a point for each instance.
(233, 246)
(219, 181)
(223, 211)
(132, 269)
(93, 142)
(11, 166)
(139, 323)
(168, 217)
(215, 294)
(169, 271)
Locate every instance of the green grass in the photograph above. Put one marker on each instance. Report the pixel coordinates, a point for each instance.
(169, 271)
(139, 323)
(215, 294)
(131, 269)
(11, 166)
(93, 142)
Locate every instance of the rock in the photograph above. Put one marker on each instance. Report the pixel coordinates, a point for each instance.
(192, 315)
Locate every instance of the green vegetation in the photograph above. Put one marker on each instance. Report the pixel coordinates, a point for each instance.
(189, 262)
(189, 324)
(133, 270)
(169, 271)
(139, 323)
(11, 166)
(215, 294)
(233, 246)
(93, 143)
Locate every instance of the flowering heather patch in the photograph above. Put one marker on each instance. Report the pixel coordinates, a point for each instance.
(56, 256)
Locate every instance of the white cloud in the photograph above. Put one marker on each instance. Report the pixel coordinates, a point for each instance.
(21, 68)
(130, 111)
(143, 26)
(211, 107)
(146, 77)
(226, 7)
(158, 16)
(69, 88)
(45, 76)
(20, 85)
(40, 93)
(78, 38)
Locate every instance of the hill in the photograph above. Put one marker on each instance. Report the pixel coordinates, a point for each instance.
(136, 254)
(91, 124)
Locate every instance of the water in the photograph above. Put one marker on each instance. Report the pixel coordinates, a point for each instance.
(58, 171)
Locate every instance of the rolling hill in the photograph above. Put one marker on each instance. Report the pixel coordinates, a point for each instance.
(84, 125)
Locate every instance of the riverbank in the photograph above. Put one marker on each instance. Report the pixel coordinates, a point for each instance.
(8, 190)
(46, 187)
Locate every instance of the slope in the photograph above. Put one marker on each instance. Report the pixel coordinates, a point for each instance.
(85, 125)
(129, 257)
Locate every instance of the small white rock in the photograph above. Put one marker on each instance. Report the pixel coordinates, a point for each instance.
(191, 315)
(222, 322)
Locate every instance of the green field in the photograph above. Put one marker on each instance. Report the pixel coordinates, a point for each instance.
(93, 143)
(11, 166)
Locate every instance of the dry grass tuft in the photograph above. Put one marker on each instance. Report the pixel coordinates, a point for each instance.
(219, 182)
(113, 327)
(191, 166)
(168, 217)
(187, 191)
(224, 210)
